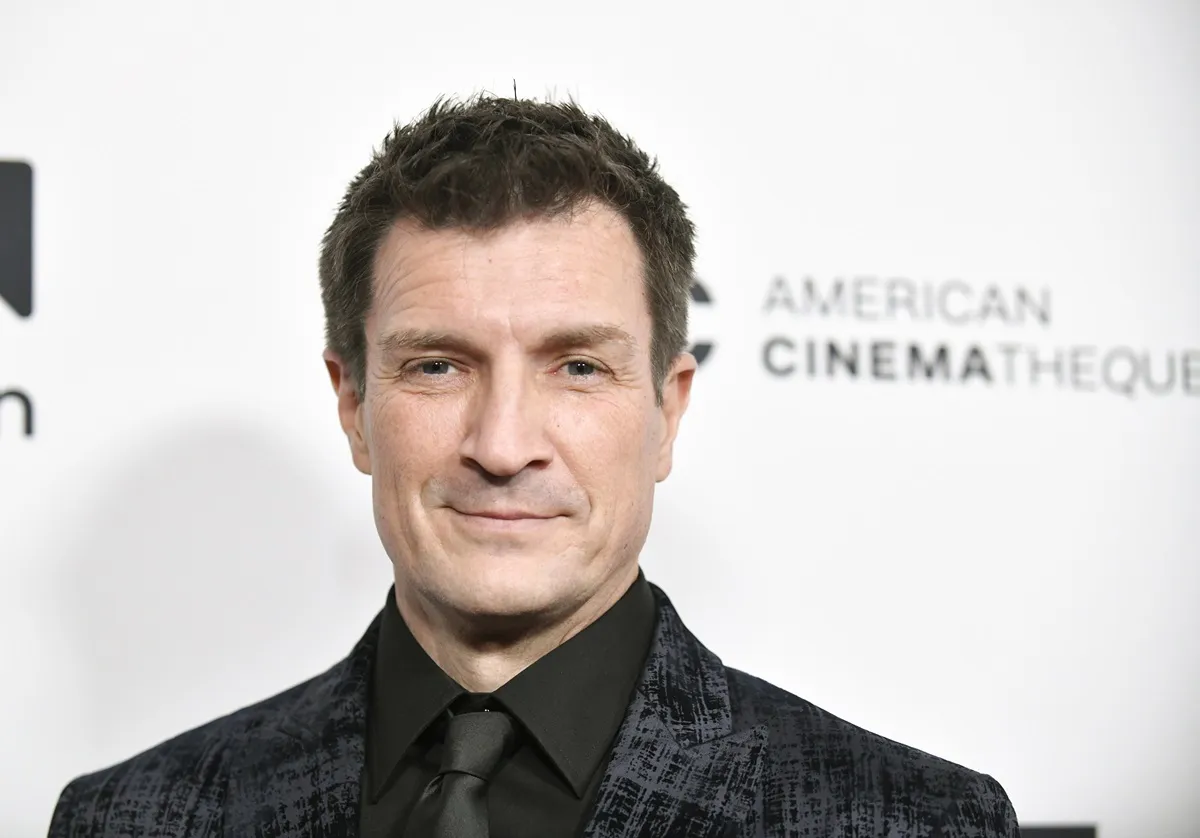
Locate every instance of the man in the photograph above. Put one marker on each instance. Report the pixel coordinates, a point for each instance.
(506, 288)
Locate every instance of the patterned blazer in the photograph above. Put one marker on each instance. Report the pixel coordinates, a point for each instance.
(704, 752)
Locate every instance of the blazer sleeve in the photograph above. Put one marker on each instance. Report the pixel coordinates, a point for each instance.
(982, 811)
(64, 814)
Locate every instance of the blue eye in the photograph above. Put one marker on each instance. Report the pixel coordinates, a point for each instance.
(435, 367)
(580, 368)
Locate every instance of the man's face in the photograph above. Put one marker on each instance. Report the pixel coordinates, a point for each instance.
(509, 422)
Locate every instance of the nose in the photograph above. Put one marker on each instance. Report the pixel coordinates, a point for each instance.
(506, 430)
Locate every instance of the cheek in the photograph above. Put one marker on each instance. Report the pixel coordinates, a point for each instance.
(609, 447)
(406, 435)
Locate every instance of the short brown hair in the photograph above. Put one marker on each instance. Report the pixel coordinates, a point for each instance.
(489, 161)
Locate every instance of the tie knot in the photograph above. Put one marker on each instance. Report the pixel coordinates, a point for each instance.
(476, 741)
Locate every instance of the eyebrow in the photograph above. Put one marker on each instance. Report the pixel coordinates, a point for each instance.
(574, 337)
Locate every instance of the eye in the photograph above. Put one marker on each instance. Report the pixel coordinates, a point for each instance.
(577, 369)
(435, 367)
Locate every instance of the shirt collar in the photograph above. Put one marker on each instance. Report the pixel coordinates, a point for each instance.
(571, 701)
(408, 693)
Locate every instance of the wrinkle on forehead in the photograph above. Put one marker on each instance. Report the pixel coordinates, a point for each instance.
(591, 253)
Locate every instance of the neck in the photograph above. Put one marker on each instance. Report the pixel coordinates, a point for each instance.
(482, 653)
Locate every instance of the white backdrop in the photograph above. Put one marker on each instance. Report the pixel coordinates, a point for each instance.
(1003, 573)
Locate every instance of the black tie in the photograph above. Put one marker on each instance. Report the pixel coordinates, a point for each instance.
(454, 804)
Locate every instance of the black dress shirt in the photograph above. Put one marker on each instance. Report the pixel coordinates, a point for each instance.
(568, 706)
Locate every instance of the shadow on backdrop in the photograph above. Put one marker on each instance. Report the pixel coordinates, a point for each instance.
(213, 571)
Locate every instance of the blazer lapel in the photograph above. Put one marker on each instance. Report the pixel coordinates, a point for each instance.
(300, 774)
(677, 768)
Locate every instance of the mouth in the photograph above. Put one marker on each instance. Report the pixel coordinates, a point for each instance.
(505, 515)
(502, 520)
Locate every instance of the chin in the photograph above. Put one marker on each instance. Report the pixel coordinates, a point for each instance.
(508, 585)
(518, 591)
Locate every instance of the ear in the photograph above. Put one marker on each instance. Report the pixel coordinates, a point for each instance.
(677, 391)
(350, 410)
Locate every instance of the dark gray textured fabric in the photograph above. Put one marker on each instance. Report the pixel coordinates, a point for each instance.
(704, 752)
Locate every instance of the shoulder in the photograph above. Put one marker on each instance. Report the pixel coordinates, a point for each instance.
(818, 760)
(142, 793)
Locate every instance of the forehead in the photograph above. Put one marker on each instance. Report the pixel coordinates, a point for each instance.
(570, 266)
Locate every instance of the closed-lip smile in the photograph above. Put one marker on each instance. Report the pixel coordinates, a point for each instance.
(505, 514)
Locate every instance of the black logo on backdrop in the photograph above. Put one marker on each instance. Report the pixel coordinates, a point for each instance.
(16, 236)
(16, 266)
(701, 348)
(24, 402)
